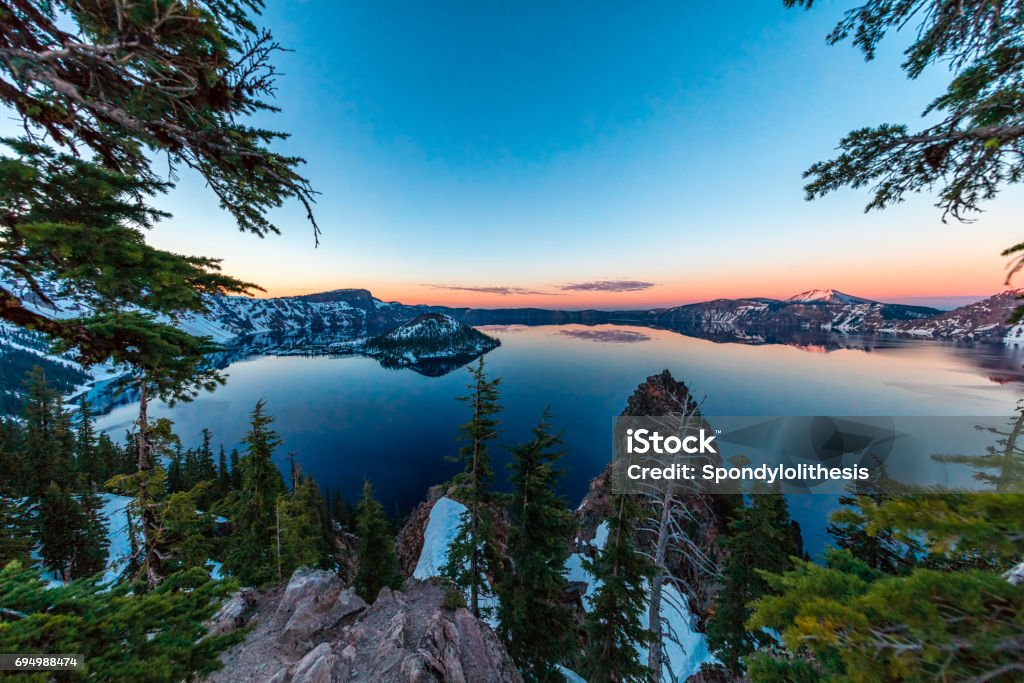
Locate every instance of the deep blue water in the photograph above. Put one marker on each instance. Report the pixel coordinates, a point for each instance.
(347, 418)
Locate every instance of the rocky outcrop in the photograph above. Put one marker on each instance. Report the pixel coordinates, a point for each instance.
(316, 631)
(662, 394)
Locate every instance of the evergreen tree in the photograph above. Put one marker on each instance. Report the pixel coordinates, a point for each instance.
(535, 623)
(614, 625)
(236, 471)
(223, 474)
(15, 527)
(959, 615)
(91, 542)
(123, 634)
(147, 487)
(878, 548)
(86, 456)
(109, 458)
(375, 549)
(72, 537)
(760, 540)
(187, 529)
(49, 441)
(205, 466)
(303, 539)
(472, 554)
(253, 556)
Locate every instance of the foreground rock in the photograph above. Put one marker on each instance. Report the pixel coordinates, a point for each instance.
(316, 631)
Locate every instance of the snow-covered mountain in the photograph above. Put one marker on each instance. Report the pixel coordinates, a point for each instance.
(828, 296)
(985, 319)
(819, 310)
(427, 339)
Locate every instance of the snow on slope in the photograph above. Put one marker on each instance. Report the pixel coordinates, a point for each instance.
(115, 514)
(442, 527)
(830, 296)
(684, 658)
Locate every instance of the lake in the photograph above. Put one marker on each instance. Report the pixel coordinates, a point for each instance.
(347, 418)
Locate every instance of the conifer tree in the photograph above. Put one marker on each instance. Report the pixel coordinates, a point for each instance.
(223, 474)
(72, 537)
(472, 554)
(15, 526)
(614, 625)
(253, 554)
(86, 457)
(303, 539)
(187, 529)
(760, 540)
(123, 634)
(375, 548)
(109, 458)
(878, 548)
(535, 623)
(236, 471)
(207, 468)
(49, 441)
(91, 542)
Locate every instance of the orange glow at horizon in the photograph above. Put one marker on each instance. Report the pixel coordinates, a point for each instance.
(879, 285)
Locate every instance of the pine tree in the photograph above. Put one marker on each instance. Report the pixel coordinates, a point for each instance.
(86, 456)
(303, 539)
(15, 527)
(472, 554)
(760, 540)
(236, 471)
(109, 458)
(123, 634)
(223, 474)
(535, 623)
(187, 529)
(253, 554)
(49, 440)
(91, 542)
(375, 548)
(614, 624)
(878, 548)
(72, 537)
(206, 467)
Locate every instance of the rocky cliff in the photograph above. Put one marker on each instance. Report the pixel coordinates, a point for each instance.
(315, 631)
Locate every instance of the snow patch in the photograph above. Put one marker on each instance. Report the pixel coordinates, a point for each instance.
(442, 528)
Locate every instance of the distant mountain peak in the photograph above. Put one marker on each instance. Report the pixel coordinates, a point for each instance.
(828, 296)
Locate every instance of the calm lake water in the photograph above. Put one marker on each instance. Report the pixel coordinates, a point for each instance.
(347, 418)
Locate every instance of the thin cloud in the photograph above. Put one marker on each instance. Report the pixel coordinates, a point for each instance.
(608, 286)
(497, 289)
(607, 336)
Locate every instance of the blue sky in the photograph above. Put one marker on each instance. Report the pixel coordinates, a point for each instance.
(532, 145)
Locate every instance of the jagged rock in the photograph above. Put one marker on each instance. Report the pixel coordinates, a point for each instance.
(313, 601)
(234, 614)
(404, 637)
(316, 666)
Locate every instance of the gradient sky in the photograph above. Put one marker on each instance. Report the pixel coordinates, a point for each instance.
(527, 146)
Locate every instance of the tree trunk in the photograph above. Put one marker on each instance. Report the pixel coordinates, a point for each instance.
(656, 646)
(150, 526)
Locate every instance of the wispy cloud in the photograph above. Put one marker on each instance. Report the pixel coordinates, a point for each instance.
(608, 286)
(500, 290)
(607, 336)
